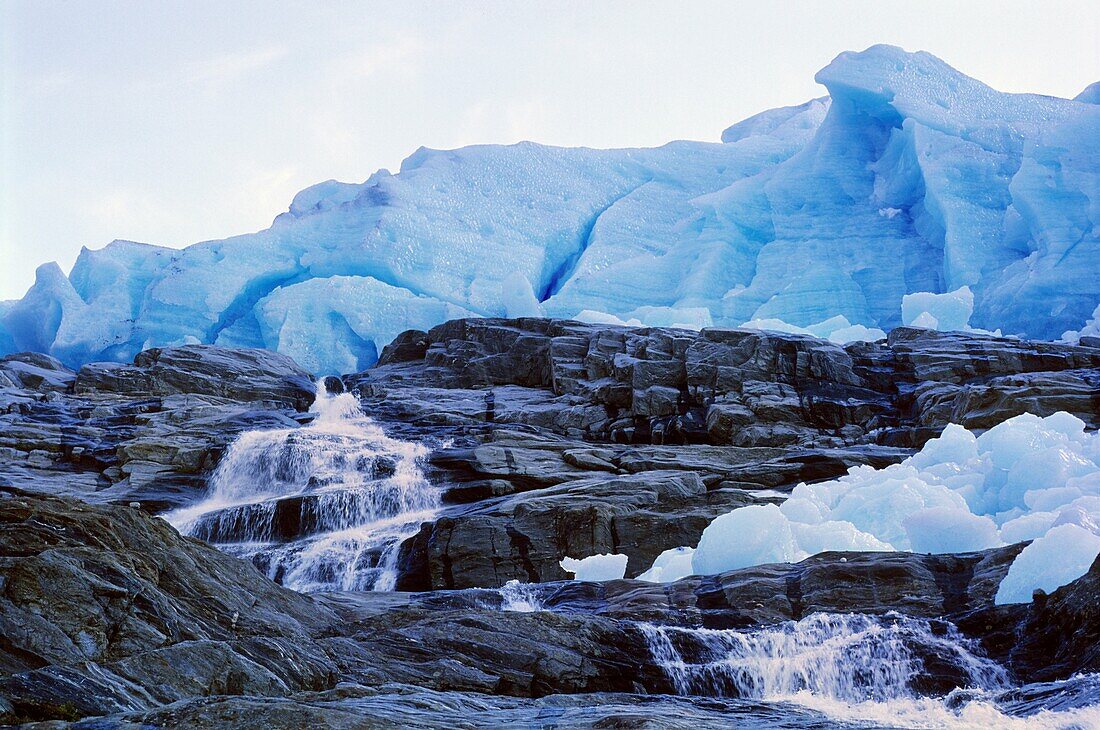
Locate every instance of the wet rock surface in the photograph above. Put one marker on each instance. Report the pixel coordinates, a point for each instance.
(549, 439)
(560, 423)
(153, 623)
(150, 432)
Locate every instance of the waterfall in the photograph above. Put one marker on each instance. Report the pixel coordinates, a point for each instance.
(847, 657)
(520, 597)
(323, 507)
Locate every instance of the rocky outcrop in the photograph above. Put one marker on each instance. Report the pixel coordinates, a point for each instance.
(150, 432)
(534, 499)
(240, 375)
(107, 611)
(403, 706)
(925, 586)
(115, 602)
(1059, 634)
(1050, 638)
(560, 423)
(550, 439)
(728, 387)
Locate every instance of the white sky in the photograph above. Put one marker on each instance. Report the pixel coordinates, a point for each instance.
(171, 121)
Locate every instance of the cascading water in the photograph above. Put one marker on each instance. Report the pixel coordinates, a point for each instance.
(520, 597)
(858, 669)
(850, 657)
(323, 507)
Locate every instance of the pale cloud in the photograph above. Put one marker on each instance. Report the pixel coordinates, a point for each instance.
(265, 192)
(231, 67)
(129, 209)
(483, 122)
(400, 54)
(251, 194)
(52, 82)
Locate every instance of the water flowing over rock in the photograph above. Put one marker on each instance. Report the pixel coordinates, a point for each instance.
(166, 621)
(320, 507)
(847, 657)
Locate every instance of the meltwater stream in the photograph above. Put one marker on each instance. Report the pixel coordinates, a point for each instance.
(868, 671)
(849, 657)
(323, 507)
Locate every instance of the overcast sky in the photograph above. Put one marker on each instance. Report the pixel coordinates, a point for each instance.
(175, 122)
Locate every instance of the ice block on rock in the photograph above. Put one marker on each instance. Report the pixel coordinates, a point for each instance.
(596, 567)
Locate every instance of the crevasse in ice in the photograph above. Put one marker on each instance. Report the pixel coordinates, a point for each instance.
(908, 177)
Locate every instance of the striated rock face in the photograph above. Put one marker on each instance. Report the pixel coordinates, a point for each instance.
(578, 439)
(116, 603)
(725, 387)
(526, 501)
(1053, 637)
(242, 375)
(149, 432)
(926, 586)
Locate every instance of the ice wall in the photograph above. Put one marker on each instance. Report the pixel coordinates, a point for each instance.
(908, 177)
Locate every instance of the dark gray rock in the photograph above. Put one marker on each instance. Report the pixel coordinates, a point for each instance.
(1053, 637)
(401, 706)
(115, 601)
(525, 536)
(162, 630)
(988, 401)
(241, 375)
(736, 387)
(926, 586)
(150, 432)
(409, 345)
(35, 371)
(563, 439)
(531, 499)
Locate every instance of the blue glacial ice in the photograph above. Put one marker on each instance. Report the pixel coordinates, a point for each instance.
(907, 177)
(1028, 478)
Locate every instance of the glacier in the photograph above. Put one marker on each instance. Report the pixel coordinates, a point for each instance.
(907, 177)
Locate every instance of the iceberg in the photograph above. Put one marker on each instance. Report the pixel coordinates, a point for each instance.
(1027, 478)
(1064, 553)
(907, 177)
(947, 311)
(608, 566)
(670, 565)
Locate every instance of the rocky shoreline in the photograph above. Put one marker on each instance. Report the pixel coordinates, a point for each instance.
(549, 439)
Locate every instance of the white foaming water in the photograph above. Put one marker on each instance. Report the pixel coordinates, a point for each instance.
(851, 657)
(321, 507)
(853, 668)
(519, 597)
